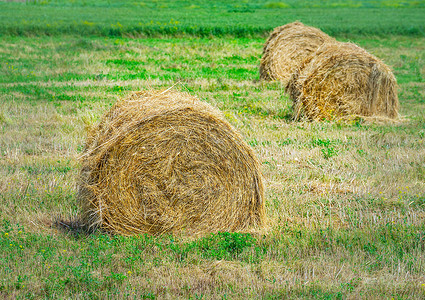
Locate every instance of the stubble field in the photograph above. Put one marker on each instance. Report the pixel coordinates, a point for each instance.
(345, 201)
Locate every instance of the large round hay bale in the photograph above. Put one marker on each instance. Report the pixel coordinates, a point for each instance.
(166, 162)
(286, 48)
(343, 80)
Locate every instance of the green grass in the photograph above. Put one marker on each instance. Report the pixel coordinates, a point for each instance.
(99, 266)
(206, 18)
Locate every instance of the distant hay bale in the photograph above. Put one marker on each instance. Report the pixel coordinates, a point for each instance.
(343, 80)
(166, 162)
(286, 48)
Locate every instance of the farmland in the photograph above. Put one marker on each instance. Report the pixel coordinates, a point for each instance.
(206, 18)
(345, 201)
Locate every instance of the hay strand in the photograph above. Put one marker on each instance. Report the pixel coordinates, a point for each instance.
(342, 80)
(286, 48)
(166, 162)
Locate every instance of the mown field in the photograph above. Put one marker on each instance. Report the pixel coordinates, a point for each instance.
(345, 201)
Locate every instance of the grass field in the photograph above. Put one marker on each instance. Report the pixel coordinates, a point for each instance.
(209, 18)
(346, 202)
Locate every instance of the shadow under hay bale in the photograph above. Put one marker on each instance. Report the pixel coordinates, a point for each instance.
(286, 48)
(166, 162)
(342, 80)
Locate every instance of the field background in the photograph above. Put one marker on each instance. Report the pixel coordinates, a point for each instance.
(205, 18)
(346, 202)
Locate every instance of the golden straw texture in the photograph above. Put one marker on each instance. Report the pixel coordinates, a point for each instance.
(342, 80)
(166, 162)
(286, 48)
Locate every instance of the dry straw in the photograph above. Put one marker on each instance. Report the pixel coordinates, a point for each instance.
(286, 48)
(342, 80)
(166, 162)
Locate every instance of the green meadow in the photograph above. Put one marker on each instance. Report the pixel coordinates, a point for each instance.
(208, 18)
(345, 201)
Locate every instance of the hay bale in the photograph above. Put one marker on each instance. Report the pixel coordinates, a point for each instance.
(286, 48)
(343, 80)
(166, 162)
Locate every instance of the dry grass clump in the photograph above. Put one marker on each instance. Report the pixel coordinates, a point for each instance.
(342, 80)
(286, 48)
(167, 162)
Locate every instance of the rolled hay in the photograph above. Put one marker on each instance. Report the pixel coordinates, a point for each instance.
(165, 162)
(286, 48)
(342, 80)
